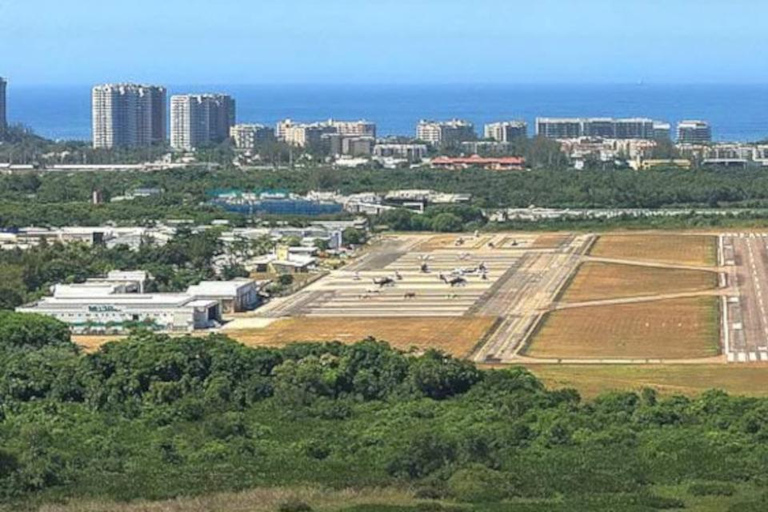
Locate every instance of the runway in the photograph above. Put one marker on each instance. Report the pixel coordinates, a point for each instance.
(745, 309)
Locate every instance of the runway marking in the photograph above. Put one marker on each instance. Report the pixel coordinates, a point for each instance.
(752, 356)
(764, 356)
(742, 357)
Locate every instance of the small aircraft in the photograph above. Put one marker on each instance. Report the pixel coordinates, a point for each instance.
(383, 281)
(424, 269)
(453, 281)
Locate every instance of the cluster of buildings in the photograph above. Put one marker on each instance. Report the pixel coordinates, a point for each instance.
(118, 301)
(3, 106)
(109, 236)
(134, 116)
(121, 300)
(694, 132)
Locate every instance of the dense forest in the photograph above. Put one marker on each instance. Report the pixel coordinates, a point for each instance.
(154, 417)
(56, 198)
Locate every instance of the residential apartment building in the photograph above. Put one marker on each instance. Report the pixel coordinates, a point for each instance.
(200, 119)
(694, 132)
(250, 136)
(445, 133)
(410, 152)
(3, 106)
(488, 147)
(128, 115)
(556, 128)
(304, 134)
(506, 131)
(606, 128)
(662, 131)
(357, 146)
(360, 128)
(509, 163)
(634, 128)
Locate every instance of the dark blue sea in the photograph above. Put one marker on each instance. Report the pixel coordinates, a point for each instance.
(737, 112)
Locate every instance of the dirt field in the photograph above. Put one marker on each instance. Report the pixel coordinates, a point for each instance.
(668, 329)
(696, 250)
(457, 336)
(690, 380)
(437, 242)
(550, 241)
(599, 281)
(92, 343)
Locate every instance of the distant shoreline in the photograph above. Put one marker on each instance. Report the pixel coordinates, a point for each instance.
(736, 112)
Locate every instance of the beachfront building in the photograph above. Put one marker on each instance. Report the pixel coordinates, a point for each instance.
(128, 115)
(200, 119)
(445, 133)
(250, 136)
(662, 131)
(506, 131)
(605, 128)
(361, 128)
(558, 128)
(694, 132)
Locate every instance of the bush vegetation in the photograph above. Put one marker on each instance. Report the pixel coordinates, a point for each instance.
(155, 417)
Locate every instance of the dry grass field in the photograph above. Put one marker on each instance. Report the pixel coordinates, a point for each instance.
(457, 336)
(255, 500)
(550, 241)
(690, 380)
(696, 250)
(93, 343)
(437, 242)
(600, 281)
(666, 329)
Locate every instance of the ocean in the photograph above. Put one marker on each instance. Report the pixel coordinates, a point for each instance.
(737, 112)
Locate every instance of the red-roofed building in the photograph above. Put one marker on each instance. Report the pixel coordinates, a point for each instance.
(510, 163)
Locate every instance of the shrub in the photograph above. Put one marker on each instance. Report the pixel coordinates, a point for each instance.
(712, 489)
(20, 330)
(478, 484)
(294, 506)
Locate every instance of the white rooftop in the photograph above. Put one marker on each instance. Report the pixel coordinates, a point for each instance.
(219, 288)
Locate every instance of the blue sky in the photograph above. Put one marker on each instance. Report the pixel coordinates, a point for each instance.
(383, 41)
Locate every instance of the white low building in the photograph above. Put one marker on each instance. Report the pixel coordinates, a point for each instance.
(234, 296)
(101, 308)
